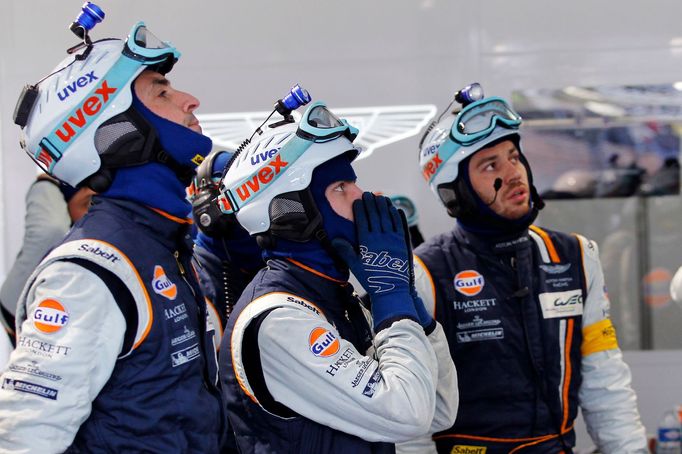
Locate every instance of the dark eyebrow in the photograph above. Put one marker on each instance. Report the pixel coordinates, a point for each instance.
(161, 81)
(487, 160)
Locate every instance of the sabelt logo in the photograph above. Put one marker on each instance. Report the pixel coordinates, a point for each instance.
(464, 449)
(90, 107)
(261, 178)
(323, 342)
(162, 285)
(50, 316)
(469, 282)
(429, 169)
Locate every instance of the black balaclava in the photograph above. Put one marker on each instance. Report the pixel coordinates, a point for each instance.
(155, 184)
(478, 218)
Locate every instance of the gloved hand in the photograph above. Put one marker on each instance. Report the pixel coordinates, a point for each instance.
(383, 265)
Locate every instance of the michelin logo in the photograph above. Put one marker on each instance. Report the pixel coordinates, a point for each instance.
(372, 384)
(30, 388)
(185, 355)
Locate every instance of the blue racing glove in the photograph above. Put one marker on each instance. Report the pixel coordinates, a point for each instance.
(383, 265)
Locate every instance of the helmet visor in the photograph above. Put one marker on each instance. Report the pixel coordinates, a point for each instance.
(143, 46)
(319, 124)
(478, 120)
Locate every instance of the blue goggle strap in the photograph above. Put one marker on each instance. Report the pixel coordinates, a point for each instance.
(85, 113)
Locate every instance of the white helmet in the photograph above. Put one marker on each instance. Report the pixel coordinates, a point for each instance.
(64, 116)
(264, 184)
(458, 135)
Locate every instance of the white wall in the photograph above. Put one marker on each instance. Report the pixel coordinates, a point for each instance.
(243, 55)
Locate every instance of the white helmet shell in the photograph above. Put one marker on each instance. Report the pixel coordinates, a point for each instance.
(276, 162)
(61, 114)
(437, 170)
(71, 105)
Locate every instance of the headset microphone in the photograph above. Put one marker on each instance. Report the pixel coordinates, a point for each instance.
(497, 185)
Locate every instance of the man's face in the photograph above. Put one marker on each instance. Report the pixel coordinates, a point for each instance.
(157, 94)
(341, 195)
(79, 203)
(501, 161)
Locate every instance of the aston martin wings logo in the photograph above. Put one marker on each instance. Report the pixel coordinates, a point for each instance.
(555, 269)
(379, 126)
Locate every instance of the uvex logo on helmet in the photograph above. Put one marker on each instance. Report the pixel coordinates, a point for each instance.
(429, 169)
(89, 108)
(162, 285)
(469, 282)
(261, 178)
(323, 342)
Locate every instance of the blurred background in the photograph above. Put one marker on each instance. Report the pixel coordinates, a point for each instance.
(598, 84)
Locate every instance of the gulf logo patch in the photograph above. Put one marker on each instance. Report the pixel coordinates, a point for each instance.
(162, 285)
(50, 316)
(323, 342)
(469, 282)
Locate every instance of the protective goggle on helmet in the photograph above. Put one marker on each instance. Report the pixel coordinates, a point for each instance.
(458, 135)
(281, 161)
(62, 115)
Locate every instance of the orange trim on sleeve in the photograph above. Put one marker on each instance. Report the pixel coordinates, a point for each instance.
(307, 268)
(528, 441)
(582, 258)
(144, 289)
(433, 285)
(568, 370)
(211, 307)
(232, 340)
(548, 243)
(171, 217)
(598, 337)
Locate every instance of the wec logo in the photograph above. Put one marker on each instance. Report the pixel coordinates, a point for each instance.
(574, 299)
(90, 107)
(261, 178)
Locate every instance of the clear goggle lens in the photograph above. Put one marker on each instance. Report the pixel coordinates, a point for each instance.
(147, 40)
(319, 124)
(479, 120)
(323, 118)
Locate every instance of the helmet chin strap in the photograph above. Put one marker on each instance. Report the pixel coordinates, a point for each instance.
(135, 142)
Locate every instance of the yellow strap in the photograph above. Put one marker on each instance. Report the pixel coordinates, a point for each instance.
(598, 337)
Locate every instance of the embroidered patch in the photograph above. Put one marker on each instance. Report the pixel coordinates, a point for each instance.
(50, 316)
(29, 388)
(323, 342)
(469, 282)
(162, 285)
(561, 304)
